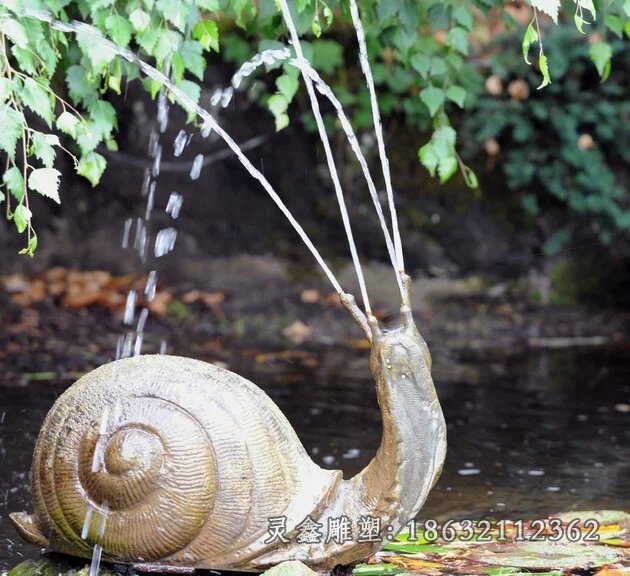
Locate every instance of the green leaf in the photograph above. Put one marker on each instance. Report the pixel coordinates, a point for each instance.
(277, 104)
(438, 66)
(6, 87)
(614, 23)
(31, 247)
(92, 166)
(2, 197)
(35, 97)
(119, 28)
(193, 91)
(457, 39)
(178, 67)
(14, 181)
(601, 53)
(175, 11)
(588, 5)
(22, 216)
(287, 86)
(421, 62)
(46, 182)
(80, 85)
(470, 177)
(140, 20)
(11, 122)
(167, 44)
(191, 53)
(428, 157)
(148, 40)
(549, 7)
(327, 55)
(446, 168)
(433, 97)
(43, 147)
(211, 5)
(316, 28)
(67, 123)
(579, 23)
(463, 16)
(207, 33)
(91, 45)
(529, 38)
(103, 118)
(456, 94)
(544, 70)
(14, 31)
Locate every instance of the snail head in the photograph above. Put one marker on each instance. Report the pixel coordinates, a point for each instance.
(399, 348)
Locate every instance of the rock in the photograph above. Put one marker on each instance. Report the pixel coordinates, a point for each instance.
(290, 568)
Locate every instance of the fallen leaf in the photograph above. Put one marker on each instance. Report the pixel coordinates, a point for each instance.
(297, 332)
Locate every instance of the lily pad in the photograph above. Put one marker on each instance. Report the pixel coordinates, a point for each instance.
(548, 555)
(602, 517)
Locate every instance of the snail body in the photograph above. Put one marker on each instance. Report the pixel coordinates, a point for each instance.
(173, 462)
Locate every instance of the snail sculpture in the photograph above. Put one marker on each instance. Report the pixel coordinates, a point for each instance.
(170, 462)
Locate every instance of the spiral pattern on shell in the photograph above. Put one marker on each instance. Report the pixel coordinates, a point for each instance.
(165, 458)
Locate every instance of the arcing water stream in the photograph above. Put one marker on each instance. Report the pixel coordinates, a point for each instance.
(131, 342)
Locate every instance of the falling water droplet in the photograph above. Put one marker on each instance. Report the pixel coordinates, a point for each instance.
(196, 167)
(130, 307)
(163, 346)
(145, 181)
(174, 204)
(180, 143)
(137, 347)
(126, 350)
(96, 560)
(351, 453)
(126, 231)
(206, 129)
(157, 161)
(119, 347)
(153, 143)
(139, 230)
(86, 522)
(150, 202)
(150, 288)
(165, 241)
(226, 98)
(142, 320)
(216, 97)
(162, 114)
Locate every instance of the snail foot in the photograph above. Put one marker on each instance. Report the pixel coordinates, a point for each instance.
(28, 528)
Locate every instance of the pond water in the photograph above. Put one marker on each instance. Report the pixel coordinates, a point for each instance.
(529, 434)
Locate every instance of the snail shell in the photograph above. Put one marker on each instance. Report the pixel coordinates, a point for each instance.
(170, 460)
